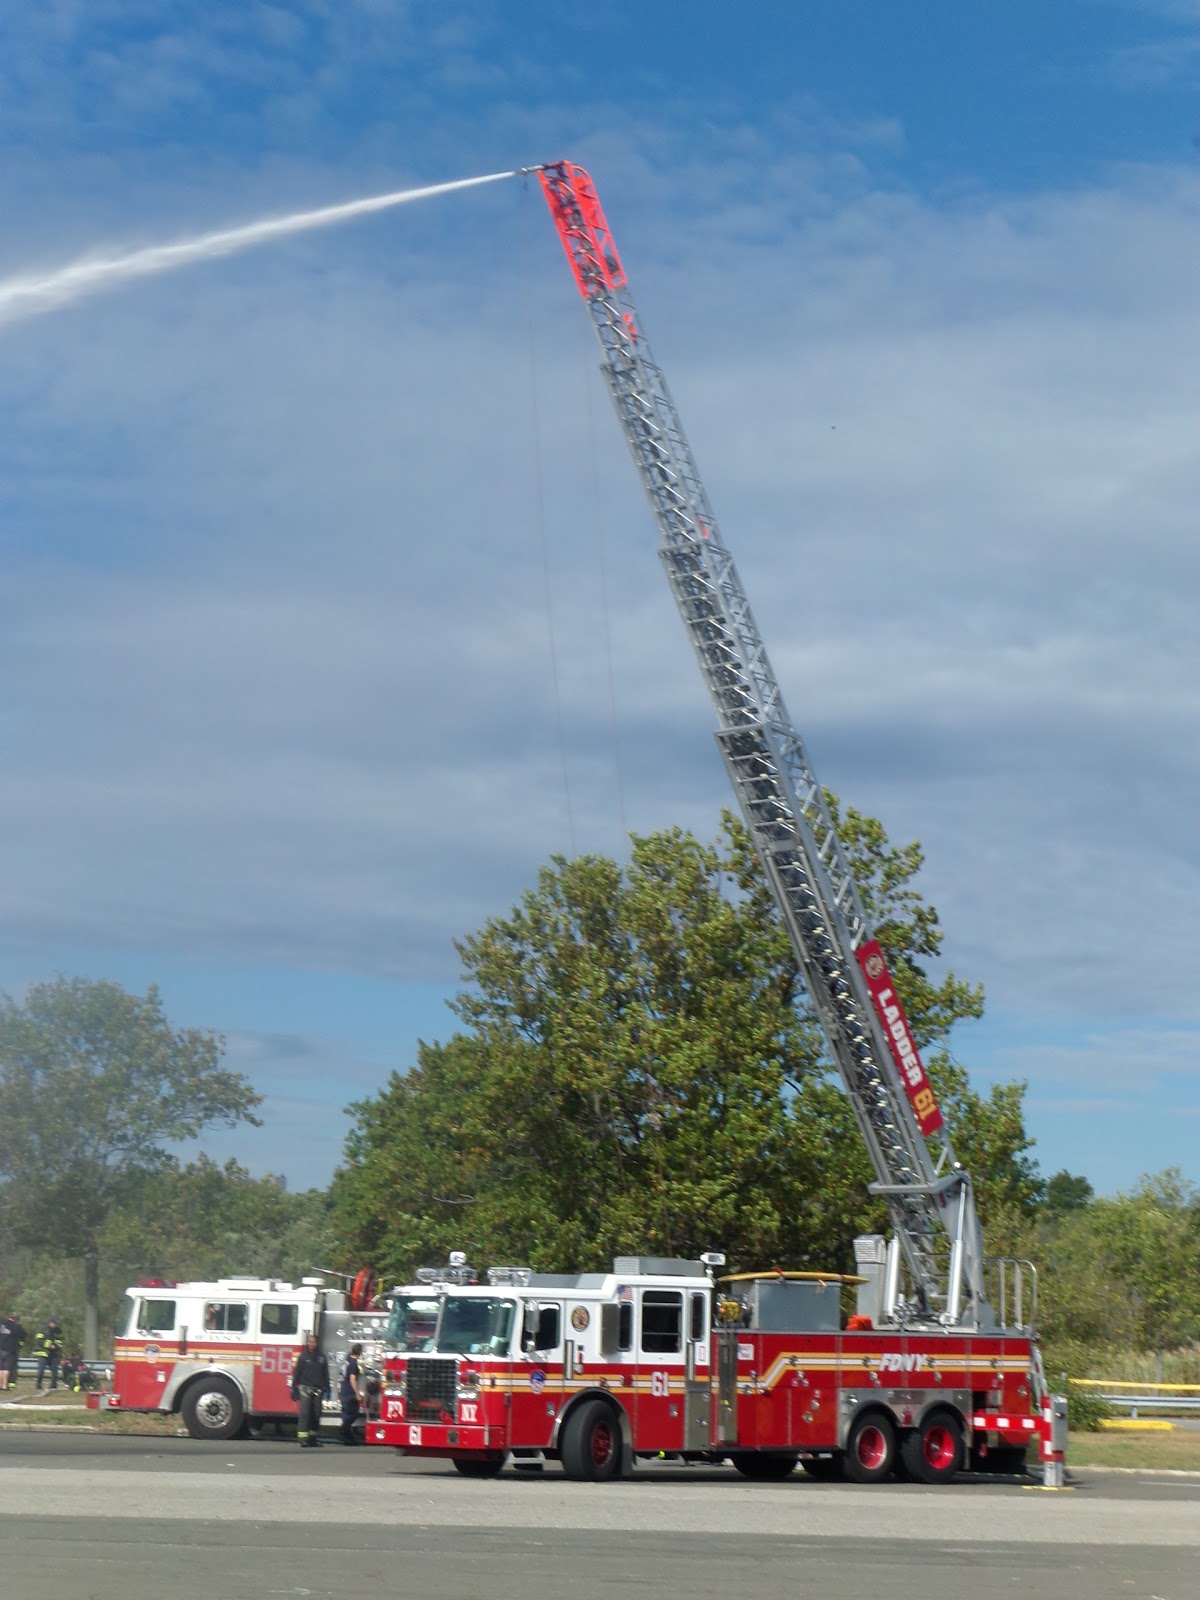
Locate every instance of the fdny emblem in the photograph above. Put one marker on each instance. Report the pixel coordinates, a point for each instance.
(580, 1318)
(874, 966)
(537, 1380)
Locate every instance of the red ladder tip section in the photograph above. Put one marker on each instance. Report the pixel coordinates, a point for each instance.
(583, 229)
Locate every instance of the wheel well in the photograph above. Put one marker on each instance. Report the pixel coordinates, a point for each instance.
(613, 1404)
(873, 1409)
(947, 1408)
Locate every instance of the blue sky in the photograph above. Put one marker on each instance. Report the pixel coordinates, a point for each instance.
(277, 719)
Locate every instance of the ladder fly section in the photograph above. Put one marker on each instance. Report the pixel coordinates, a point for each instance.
(928, 1194)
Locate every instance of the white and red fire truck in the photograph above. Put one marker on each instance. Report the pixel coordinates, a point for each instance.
(937, 1369)
(662, 1357)
(221, 1354)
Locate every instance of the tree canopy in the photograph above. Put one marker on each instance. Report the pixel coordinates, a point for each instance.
(95, 1085)
(637, 1070)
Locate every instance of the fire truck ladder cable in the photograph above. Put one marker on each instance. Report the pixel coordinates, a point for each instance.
(540, 523)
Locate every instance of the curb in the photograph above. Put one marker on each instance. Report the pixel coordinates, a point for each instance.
(47, 1427)
(1138, 1472)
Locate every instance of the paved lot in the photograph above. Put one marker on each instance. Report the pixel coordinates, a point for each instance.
(101, 1517)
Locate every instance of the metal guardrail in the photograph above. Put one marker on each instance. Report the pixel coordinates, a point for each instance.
(27, 1367)
(1135, 1403)
(1136, 1397)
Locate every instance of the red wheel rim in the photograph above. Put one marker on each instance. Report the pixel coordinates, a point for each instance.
(602, 1444)
(871, 1449)
(939, 1447)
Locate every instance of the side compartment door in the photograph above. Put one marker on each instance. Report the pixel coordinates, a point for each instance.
(725, 1407)
(697, 1415)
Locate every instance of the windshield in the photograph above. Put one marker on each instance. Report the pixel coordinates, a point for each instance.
(473, 1326)
(413, 1324)
(459, 1324)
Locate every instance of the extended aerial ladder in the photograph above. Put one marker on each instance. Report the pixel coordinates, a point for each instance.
(929, 1195)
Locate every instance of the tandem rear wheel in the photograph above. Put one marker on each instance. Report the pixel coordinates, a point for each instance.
(870, 1454)
(934, 1452)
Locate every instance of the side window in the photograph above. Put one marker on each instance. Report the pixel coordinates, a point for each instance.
(280, 1321)
(156, 1316)
(222, 1317)
(625, 1325)
(549, 1329)
(662, 1321)
(699, 1328)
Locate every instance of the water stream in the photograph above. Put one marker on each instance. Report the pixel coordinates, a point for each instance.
(33, 294)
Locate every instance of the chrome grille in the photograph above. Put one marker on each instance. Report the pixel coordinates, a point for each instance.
(431, 1389)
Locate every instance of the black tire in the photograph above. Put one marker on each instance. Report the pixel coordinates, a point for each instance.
(825, 1469)
(478, 1466)
(212, 1409)
(766, 1467)
(934, 1452)
(590, 1449)
(870, 1448)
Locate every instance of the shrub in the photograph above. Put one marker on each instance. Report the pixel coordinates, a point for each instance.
(1085, 1410)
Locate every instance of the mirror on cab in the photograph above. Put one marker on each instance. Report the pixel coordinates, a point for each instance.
(531, 1317)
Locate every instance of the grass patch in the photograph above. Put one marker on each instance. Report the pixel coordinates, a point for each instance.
(149, 1424)
(1178, 1450)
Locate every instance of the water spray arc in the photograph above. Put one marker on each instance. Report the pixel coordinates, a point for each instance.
(32, 295)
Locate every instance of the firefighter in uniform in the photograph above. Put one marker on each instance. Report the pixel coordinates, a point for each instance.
(48, 1347)
(310, 1386)
(350, 1394)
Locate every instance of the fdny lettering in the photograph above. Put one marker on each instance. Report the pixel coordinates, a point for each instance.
(470, 1413)
(900, 1040)
(893, 1361)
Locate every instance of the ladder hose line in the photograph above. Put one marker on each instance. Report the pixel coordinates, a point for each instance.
(927, 1193)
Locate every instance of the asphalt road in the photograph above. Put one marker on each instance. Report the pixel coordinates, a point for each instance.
(97, 1518)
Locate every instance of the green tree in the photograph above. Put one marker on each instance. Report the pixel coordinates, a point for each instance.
(1067, 1192)
(1151, 1241)
(94, 1085)
(204, 1220)
(639, 1071)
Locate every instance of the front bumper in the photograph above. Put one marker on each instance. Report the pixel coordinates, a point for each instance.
(436, 1438)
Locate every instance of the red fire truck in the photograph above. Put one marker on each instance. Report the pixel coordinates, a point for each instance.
(665, 1357)
(937, 1369)
(221, 1354)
